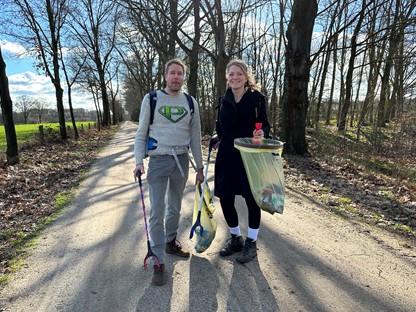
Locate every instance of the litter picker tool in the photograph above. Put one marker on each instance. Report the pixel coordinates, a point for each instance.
(198, 218)
(150, 253)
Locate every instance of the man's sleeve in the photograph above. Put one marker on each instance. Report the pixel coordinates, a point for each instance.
(142, 130)
(196, 137)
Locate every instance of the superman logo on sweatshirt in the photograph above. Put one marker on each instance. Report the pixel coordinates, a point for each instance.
(173, 113)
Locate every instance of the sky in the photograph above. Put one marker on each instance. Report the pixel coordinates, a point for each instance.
(25, 80)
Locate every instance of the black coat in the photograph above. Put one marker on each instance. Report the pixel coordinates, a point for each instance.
(236, 120)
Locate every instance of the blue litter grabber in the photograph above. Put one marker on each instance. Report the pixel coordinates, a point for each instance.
(198, 218)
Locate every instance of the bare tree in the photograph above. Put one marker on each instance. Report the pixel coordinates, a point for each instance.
(113, 90)
(24, 105)
(295, 96)
(376, 49)
(224, 41)
(169, 21)
(44, 22)
(348, 81)
(70, 82)
(333, 26)
(40, 105)
(12, 152)
(95, 23)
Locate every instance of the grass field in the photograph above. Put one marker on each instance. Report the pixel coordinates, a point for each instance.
(27, 132)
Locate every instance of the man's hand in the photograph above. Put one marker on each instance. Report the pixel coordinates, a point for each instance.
(199, 176)
(139, 170)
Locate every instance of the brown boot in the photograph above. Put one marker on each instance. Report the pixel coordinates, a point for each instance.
(175, 248)
(159, 275)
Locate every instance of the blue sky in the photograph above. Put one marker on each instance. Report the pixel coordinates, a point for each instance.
(24, 80)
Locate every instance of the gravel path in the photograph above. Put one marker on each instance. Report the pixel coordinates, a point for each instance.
(91, 257)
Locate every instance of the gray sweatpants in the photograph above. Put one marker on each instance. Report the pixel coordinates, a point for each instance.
(166, 187)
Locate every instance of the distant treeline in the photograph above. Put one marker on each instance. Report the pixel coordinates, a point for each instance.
(51, 116)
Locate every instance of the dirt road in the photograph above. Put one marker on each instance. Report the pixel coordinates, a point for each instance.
(91, 258)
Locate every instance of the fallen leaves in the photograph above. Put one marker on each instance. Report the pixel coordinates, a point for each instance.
(28, 189)
(374, 197)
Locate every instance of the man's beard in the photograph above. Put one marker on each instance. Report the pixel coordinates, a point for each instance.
(175, 87)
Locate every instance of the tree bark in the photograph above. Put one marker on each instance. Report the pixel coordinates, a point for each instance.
(12, 152)
(332, 89)
(295, 95)
(55, 78)
(194, 53)
(348, 80)
(394, 41)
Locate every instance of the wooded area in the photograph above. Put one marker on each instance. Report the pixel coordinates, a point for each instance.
(346, 63)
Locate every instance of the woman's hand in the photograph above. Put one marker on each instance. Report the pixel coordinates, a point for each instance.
(215, 142)
(258, 136)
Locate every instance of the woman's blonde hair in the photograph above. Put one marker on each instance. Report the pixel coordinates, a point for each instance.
(251, 81)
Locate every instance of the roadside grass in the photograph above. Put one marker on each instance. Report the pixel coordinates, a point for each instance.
(385, 158)
(378, 153)
(26, 133)
(18, 243)
(24, 241)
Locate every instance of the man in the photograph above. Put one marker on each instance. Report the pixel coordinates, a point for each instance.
(173, 131)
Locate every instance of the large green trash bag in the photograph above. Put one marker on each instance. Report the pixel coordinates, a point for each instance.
(263, 164)
(208, 222)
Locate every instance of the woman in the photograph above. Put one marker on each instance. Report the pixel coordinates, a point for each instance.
(239, 109)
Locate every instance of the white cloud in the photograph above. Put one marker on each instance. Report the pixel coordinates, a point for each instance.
(13, 49)
(31, 84)
(24, 81)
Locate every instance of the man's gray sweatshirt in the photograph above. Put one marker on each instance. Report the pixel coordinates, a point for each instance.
(173, 127)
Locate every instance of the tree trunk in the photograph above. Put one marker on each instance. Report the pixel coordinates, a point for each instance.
(104, 95)
(322, 86)
(334, 70)
(55, 78)
(295, 95)
(220, 69)
(348, 80)
(354, 111)
(60, 106)
(194, 53)
(394, 41)
(12, 152)
(375, 56)
(399, 80)
(71, 111)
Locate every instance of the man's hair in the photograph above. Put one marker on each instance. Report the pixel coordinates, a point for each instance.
(177, 62)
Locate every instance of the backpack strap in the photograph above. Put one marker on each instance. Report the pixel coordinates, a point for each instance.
(191, 104)
(153, 99)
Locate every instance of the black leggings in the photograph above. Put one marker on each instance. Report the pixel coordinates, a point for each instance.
(231, 216)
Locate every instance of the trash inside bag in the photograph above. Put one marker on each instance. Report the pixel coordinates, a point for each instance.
(205, 232)
(263, 164)
(271, 198)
